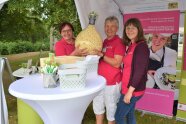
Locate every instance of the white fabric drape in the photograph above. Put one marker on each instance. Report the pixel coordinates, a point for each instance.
(3, 109)
(2, 3)
(103, 8)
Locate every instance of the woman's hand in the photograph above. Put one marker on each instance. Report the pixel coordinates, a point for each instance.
(128, 95)
(99, 53)
(151, 72)
(82, 52)
(79, 52)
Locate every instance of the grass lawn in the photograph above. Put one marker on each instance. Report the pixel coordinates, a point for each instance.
(89, 118)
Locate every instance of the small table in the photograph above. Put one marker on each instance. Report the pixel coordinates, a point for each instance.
(55, 105)
(21, 72)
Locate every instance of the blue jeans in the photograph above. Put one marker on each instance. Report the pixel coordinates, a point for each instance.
(126, 111)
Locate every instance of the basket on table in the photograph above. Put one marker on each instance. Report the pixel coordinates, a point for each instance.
(91, 63)
(72, 76)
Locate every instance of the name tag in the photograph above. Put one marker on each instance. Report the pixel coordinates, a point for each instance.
(104, 50)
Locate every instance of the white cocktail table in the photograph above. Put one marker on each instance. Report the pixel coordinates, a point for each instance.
(55, 105)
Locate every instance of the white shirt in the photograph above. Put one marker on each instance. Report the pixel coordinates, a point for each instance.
(170, 56)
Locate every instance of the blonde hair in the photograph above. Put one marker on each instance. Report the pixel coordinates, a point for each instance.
(112, 19)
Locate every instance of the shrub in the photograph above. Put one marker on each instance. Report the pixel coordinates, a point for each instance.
(45, 46)
(22, 47)
(3, 49)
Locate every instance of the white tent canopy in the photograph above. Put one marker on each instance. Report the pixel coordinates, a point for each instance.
(2, 3)
(105, 8)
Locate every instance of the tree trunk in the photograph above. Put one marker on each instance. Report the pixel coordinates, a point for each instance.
(53, 39)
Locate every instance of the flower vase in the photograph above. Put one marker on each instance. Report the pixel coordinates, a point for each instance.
(49, 81)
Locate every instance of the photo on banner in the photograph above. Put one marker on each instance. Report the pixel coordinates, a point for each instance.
(162, 61)
(161, 32)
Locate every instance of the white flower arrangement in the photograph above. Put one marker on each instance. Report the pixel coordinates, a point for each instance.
(49, 69)
(50, 65)
(50, 72)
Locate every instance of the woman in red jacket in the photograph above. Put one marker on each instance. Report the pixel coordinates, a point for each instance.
(134, 73)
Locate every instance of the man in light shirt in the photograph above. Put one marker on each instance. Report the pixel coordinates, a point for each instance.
(160, 54)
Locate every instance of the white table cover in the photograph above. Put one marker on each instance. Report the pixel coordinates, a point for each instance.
(55, 105)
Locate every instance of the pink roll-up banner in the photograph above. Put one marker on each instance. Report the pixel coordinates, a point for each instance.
(157, 101)
(157, 22)
(161, 86)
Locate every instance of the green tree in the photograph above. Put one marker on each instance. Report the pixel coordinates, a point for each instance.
(20, 24)
(32, 19)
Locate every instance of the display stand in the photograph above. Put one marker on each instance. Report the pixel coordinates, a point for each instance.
(4, 111)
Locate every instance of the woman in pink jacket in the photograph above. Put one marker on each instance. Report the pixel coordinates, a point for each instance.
(135, 70)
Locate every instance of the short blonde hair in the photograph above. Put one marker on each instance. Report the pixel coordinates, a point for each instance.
(112, 19)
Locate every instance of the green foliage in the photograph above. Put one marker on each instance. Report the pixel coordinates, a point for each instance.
(60, 11)
(3, 49)
(31, 20)
(17, 24)
(41, 46)
(22, 47)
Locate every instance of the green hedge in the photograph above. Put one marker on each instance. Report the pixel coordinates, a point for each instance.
(16, 47)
